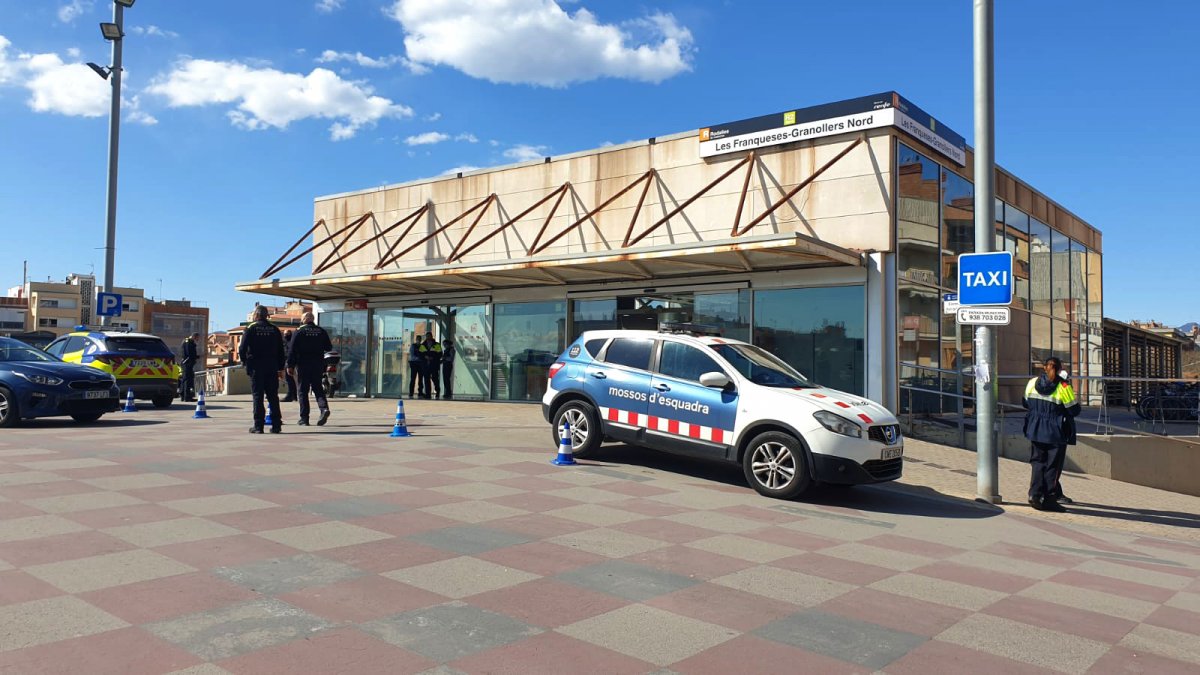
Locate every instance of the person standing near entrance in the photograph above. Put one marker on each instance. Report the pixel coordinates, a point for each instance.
(416, 365)
(448, 355)
(1049, 426)
(431, 354)
(263, 354)
(306, 362)
(189, 354)
(288, 377)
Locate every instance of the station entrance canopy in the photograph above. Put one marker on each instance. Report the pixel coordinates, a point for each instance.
(392, 270)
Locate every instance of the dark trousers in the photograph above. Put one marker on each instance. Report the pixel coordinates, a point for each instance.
(414, 376)
(291, 385)
(265, 383)
(310, 378)
(430, 382)
(448, 379)
(1047, 463)
(187, 383)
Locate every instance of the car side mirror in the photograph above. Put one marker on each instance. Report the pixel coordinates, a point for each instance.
(715, 380)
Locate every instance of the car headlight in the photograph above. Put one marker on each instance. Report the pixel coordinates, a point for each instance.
(838, 424)
(44, 380)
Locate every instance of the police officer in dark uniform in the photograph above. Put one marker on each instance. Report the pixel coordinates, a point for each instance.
(448, 355)
(263, 354)
(431, 352)
(1050, 427)
(289, 377)
(189, 354)
(306, 361)
(416, 366)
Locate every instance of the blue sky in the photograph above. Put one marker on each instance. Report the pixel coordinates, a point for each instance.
(225, 140)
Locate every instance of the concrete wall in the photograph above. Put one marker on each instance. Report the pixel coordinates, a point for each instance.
(849, 205)
(1160, 462)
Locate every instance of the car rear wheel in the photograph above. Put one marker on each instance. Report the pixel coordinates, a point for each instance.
(585, 427)
(162, 401)
(775, 465)
(9, 414)
(86, 418)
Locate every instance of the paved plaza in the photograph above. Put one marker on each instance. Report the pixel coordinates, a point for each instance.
(155, 543)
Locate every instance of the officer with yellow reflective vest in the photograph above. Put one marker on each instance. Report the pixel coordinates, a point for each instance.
(1050, 427)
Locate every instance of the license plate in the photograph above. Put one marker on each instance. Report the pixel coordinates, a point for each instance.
(97, 394)
(142, 363)
(893, 453)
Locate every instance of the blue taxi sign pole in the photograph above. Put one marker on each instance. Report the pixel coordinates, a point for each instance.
(987, 473)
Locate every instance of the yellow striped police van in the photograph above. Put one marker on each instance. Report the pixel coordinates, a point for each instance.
(140, 362)
(720, 398)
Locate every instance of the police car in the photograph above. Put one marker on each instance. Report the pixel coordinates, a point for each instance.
(721, 398)
(139, 362)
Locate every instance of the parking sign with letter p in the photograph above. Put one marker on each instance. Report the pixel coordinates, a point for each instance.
(108, 304)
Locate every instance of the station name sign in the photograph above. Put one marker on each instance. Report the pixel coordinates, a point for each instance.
(888, 109)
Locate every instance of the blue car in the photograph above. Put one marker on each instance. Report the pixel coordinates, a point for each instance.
(36, 384)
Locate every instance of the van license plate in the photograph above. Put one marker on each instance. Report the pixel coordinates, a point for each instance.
(97, 394)
(893, 453)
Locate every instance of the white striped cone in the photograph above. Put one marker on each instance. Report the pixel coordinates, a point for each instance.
(565, 455)
(400, 430)
(201, 413)
(129, 405)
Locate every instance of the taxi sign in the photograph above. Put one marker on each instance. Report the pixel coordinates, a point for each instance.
(985, 278)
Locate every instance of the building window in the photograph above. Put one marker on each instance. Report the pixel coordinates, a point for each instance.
(729, 311)
(527, 338)
(958, 224)
(1016, 232)
(1039, 266)
(819, 331)
(1060, 274)
(47, 323)
(588, 315)
(917, 220)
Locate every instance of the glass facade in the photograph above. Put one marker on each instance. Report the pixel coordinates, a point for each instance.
(527, 338)
(819, 331)
(1056, 309)
(348, 332)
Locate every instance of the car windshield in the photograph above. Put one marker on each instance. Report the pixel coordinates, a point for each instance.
(136, 345)
(761, 367)
(13, 351)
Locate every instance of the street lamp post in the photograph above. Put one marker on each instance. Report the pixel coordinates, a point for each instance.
(115, 33)
(987, 475)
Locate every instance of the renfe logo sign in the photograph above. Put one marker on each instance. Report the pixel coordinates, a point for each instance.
(108, 304)
(858, 114)
(985, 279)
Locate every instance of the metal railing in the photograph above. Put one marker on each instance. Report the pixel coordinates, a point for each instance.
(216, 380)
(1160, 419)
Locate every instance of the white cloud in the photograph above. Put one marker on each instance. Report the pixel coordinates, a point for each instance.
(74, 52)
(460, 169)
(74, 9)
(265, 97)
(330, 56)
(525, 153)
(55, 86)
(427, 138)
(134, 113)
(538, 42)
(328, 6)
(470, 138)
(434, 117)
(154, 31)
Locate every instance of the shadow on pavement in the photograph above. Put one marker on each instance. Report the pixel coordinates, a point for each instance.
(904, 500)
(884, 498)
(68, 423)
(1171, 518)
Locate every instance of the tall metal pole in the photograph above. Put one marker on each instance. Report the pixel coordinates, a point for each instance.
(114, 146)
(987, 474)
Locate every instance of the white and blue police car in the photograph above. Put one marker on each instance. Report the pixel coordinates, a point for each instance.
(677, 391)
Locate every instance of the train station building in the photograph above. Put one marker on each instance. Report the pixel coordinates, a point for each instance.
(827, 235)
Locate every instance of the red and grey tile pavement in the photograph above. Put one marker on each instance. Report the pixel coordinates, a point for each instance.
(155, 543)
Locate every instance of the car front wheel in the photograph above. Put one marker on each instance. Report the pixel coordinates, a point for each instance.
(9, 414)
(775, 465)
(585, 427)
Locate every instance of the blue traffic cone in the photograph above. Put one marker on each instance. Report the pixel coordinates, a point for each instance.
(401, 429)
(565, 456)
(201, 413)
(268, 421)
(129, 406)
